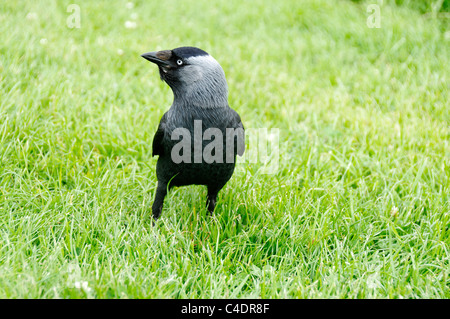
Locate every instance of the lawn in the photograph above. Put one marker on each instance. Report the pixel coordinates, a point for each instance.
(358, 206)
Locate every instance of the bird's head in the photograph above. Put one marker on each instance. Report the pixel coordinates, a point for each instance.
(194, 76)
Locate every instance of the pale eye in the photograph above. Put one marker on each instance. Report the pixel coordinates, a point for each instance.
(179, 62)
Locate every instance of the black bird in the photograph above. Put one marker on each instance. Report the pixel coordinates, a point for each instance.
(199, 112)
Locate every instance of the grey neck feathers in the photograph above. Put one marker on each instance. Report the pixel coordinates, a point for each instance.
(202, 84)
(212, 95)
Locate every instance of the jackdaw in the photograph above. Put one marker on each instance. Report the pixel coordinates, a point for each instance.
(199, 136)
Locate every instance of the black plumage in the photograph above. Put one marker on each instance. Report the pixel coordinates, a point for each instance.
(200, 94)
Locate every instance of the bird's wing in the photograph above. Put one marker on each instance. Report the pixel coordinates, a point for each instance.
(240, 140)
(158, 147)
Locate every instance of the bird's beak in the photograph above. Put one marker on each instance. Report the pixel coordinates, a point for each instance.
(161, 58)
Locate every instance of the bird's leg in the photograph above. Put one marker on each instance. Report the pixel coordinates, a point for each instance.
(161, 192)
(211, 199)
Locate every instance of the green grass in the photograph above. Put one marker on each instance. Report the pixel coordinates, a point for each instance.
(359, 206)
